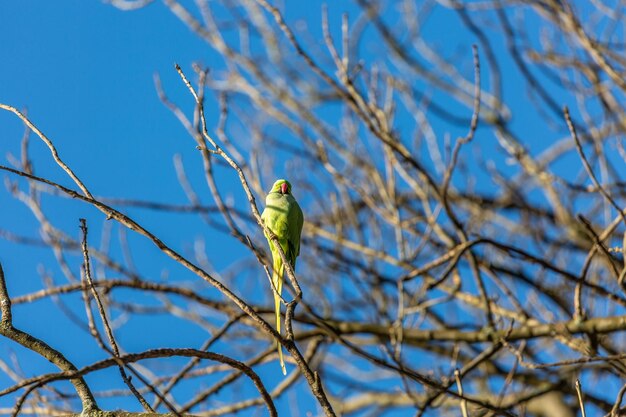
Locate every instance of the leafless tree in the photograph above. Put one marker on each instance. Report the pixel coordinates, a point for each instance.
(452, 261)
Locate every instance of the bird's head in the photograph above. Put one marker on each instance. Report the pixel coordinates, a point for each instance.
(281, 186)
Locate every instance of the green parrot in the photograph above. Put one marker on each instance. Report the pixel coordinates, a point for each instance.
(283, 216)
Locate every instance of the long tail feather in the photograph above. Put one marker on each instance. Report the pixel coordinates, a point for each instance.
(277, 281)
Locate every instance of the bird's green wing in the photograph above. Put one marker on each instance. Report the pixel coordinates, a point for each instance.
(295, 220)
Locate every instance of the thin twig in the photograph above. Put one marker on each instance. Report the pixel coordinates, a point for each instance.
(105, 321)
(618, 402)
(587, 166)
(581, 403)
(53, 149)
(459, 386)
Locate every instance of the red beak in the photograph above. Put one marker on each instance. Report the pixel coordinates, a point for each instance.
(283, 188)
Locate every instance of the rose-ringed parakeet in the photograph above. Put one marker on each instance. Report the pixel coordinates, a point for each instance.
(283, 216)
